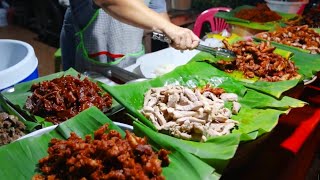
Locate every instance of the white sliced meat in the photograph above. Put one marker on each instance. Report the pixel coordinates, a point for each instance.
(232, 121)
(167, 126)
(147, 97)
(173, 99)
(235, 107)
(159, 116)
(184, 100)
(191, 95)
(211, 133)
(201, 114)
(225, 112)
(188, 114)
(152, 101)
(148, 109)
(153, 120)
(220, 118)
(163, 107)
(198, 128)
(193, 106)
(227, 128)
(199, 95)
(229, 97)
(218, 104)
(191, 119)
(185, 136)
(170, 110)
(180, 114)
(186, 126)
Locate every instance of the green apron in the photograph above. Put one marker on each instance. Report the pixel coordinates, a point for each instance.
(105, 41)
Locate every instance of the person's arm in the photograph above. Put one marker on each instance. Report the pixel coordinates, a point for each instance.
(165, 15)
(135, 13)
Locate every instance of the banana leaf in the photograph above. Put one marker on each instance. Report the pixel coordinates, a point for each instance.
(22, 91)
(19, 159)
(5, 107)
(266, 119)
(271, 88)
(194, 74)
(217, 154)
(254, 99)
(232, 39)
(231, 19)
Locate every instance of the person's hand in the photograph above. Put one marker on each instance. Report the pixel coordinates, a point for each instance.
(182, 38)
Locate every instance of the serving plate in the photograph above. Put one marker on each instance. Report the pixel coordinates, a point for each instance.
(309, 81)
(160, 60)
(50, 128)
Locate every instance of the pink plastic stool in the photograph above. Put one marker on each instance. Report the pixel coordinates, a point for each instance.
(217, 24)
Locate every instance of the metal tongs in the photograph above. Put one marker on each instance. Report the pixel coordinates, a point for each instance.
(218, 52)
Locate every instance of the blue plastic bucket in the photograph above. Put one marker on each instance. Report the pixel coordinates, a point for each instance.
(18, 63)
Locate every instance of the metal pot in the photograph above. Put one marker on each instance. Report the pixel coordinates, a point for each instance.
(181, 4)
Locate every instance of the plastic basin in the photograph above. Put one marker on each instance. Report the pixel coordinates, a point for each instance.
(287, 7)
(18, 63)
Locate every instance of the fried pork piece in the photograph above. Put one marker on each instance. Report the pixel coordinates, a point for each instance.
(10, 128)
(261, 13)
(310, 18)
(107, 156)
(259, 60)
(191, 114)
(297, 36)
(62, 98)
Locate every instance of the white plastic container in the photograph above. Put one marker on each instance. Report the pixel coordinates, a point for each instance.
(18, 63)
(287, 7)
(3, 17)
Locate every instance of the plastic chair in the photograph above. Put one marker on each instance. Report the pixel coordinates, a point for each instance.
(217, 24)
(301, 9)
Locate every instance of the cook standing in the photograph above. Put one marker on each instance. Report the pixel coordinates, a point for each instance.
(101, 40)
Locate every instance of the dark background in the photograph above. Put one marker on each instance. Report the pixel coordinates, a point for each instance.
(45, 17)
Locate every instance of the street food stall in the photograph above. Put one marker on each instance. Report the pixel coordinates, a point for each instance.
(178, 115)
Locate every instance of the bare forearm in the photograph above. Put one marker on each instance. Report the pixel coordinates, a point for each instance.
(165, 15)
(135, 13)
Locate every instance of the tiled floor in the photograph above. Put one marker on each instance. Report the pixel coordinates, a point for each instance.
(44, 52)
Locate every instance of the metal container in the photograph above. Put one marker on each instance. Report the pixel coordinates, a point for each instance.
(181, 4)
